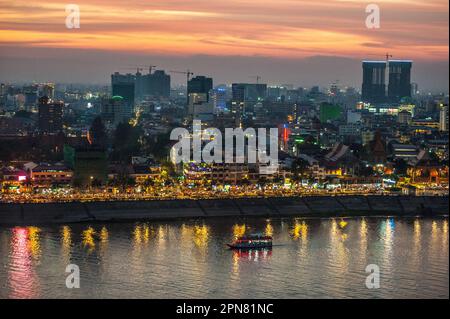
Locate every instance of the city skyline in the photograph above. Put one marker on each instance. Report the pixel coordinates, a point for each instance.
(283, 42)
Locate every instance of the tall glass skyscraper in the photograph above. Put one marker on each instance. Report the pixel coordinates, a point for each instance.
(399, 80)
(374, 81)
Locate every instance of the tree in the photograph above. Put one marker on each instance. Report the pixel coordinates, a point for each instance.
(400, 166)
(126, 142)
(299, 168)
(365, 170)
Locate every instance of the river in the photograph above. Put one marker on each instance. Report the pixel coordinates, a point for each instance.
(311, 258)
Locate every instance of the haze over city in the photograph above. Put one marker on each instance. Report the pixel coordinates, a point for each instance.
(297, 42)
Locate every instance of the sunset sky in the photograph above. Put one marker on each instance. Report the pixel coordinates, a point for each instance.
(179, 30)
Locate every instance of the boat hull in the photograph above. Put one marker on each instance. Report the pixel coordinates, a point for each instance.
(248, 246)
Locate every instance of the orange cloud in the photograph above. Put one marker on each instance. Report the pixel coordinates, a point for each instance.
(415, 29)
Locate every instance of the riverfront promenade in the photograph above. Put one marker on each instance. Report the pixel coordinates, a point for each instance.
(309, 206)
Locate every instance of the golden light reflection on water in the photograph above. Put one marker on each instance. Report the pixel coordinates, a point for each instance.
(104, 239)
(104, 235)
(201, 236)
(142, 234)
(146, 233)
(337, 229)
(363, 231)
(34, 241)
(417, 231)
(269, 229)
(339, 252)
(343, 224)
(66, 242)
(300, 230)
(87, 237)
(434, 230)
(137, 235)
(162, 234)
(445, 235)
(445, 232)
(66, 237)
(239, 230)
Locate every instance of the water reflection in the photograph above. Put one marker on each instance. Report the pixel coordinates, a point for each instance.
(25, 247)
(252, 255)
(190, 259)
(66, 243)
(239, 230)
(201, 236)
(88, 240)
(300, 230)
(269, 229)
(387, 232)
(338, 252)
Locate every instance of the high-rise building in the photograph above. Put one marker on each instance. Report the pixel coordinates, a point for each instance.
(399, 80)
(200, 85)
(443, 118)
(50, 115)
(31, 97)
(47, 89)
(123, 85)
(219, 99)
(156, 84)
(249, 92)
(113, 111)
(374, 81)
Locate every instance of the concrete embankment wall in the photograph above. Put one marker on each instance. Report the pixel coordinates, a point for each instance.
(320, 206)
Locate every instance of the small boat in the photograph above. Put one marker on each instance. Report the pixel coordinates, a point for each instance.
(253, 241)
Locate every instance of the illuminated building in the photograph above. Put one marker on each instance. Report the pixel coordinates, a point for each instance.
(50, 116)
(443, 118)
(367, 136)
(31, 97)
(48, 89)
(219, 99)
(404, 117)
(47, 175)
(13, 180)
(200, 85)
(113, 110)
(124, 85)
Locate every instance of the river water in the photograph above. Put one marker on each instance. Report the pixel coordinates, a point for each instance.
(311, 258)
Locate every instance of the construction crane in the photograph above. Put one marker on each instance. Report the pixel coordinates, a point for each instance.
(150, 68)
(388, 56)
(138, 69)
(188, 73)
(257, 77)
